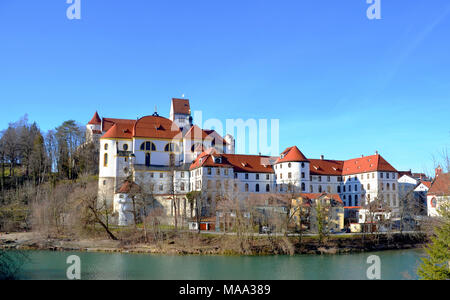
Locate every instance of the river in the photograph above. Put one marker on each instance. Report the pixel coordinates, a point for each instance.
(399, 264)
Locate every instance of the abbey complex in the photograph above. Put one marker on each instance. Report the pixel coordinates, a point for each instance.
(170, 157)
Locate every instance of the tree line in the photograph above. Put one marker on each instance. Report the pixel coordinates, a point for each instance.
(31, 159)
(29, 154)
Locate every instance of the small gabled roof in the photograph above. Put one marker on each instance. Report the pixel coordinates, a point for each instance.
(440, 186)
(96, 120)
(292, 154)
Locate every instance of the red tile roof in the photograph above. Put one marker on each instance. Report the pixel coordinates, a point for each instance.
(325, 167)
(367, 164)
(156, 127)
(292, 154)
(240, 163)
(119, 131)
(440, 186)
(426, 183)
(109, 122)
(181, 106)
(127, 186)
(95, 120)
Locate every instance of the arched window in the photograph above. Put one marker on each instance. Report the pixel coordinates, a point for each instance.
(148, 146)
(350, 200)
(105, 160)
(257, 188)
(182, 186)
(320, 189)
(329, 189)
(368, 186)
(393, 186)
(338, 189)
(171, 147)
(246, 187)
(106, 147)
(311, 190)
(303, 187)
(388, 186)
(125, 147)
(267, 188)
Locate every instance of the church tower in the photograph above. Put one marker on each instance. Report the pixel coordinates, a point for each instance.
(180, 114)
(94, 129)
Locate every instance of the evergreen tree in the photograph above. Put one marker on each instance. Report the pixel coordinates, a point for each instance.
(437, 265)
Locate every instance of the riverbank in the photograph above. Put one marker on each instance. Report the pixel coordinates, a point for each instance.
(205, 244)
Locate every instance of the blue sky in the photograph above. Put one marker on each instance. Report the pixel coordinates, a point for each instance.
(341, 85)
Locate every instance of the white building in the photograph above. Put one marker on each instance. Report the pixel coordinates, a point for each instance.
(170, 157)
(155, 153)
(439, 193)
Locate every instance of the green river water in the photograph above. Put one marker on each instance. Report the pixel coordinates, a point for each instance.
(400, 264)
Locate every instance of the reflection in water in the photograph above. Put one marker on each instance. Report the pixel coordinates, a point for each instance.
(52, 265)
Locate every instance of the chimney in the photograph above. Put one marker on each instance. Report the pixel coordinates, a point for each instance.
(362, 155)
(376, 152)
(438, 171)
(322, 157)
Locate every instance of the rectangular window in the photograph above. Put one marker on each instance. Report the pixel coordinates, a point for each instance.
(289, 175)
(257, 176)
(161, 175)
(267, 176)
(246, 175)
(303, 174)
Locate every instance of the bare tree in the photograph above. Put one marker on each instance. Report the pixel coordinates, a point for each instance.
(96, 211)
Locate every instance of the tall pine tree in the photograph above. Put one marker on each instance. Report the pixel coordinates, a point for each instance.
(437, 265)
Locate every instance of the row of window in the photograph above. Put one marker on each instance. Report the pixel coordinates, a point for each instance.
(149, 146)
(209, 171)
(280, 166)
